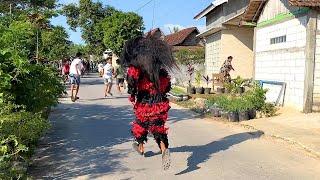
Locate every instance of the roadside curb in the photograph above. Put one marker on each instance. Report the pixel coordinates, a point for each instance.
(290, 141)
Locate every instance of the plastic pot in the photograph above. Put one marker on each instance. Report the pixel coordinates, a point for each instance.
(200, 90)
(216, 112)
(233, 116)
(179, 98)
(240, 90)
(244, 116)
(252, 114)
(191, 90)
(207, 90)
(185, 97)
(224, 114)
(220, 90)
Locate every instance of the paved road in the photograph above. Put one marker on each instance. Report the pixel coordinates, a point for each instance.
(90, 139)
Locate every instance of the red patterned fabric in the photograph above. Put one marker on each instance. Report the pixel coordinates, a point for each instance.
(148, 110)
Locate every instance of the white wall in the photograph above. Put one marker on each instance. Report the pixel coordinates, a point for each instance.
(316, 91)
(213, 47)
(283, 62)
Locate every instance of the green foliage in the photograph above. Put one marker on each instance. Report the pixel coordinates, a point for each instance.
(190, 56)
(26, 91)
(198, 78)
(256, 96)
(19, 133)
(236, 84)
(38, 89)
(269, 110)
(55, 44)
(120, 27)
(177, 91)
(88, 16)
(19, 6)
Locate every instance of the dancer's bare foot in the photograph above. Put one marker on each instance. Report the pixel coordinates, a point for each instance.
(139, 148)
(166, 161)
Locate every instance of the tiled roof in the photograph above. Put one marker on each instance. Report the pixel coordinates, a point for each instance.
(306, 3)
(178, 37)
(153, 31)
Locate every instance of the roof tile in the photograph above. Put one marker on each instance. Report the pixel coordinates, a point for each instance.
(178, 37)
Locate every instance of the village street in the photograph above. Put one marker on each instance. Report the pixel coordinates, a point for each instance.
(91, 139)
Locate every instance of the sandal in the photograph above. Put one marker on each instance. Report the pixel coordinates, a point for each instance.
(136, 147)
(166, 161)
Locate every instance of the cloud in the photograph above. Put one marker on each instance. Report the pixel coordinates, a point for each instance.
(168, 28)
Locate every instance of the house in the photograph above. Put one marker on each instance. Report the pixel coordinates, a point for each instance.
(186, 38)
(287, 50)
(155, 33)
(224, 37)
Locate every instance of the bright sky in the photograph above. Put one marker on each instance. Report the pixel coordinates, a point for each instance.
(168, 13)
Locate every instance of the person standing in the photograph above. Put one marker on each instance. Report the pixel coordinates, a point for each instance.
(76, 68)
(149, 60)
(100, 69)
(65, 70)
(226, 68)
(108, 72)
(119, 75)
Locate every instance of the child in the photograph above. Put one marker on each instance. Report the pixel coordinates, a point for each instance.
(107, 76)
(148, 61)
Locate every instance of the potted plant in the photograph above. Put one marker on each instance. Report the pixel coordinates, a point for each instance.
(207, 90)
(190, 89)
(233, 110)
(229, 87)
(220, 90)
(239, 84)
(244, 109)
(199, 89)
(222, 104)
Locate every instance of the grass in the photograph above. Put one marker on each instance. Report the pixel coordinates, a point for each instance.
(177, 91)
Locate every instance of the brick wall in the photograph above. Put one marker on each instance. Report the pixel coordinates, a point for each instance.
(283, 62)
(213, 47)
(316, 91)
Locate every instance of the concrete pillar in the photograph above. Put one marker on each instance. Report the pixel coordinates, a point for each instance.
(310, 61)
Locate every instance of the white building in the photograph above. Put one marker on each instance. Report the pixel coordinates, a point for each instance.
(287, 49)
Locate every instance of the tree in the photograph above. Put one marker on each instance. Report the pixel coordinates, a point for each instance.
(18, 6)
(88, 16)
(190, 56)
(55, 44)
(120, 27)
(176, 29)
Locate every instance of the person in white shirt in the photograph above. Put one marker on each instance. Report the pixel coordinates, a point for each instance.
(76, 68)
(107, 76)
(100, 69)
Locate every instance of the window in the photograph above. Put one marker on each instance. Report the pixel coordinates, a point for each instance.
(277, 40)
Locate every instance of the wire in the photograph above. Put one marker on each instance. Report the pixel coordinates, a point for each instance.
(153, 17)
(143, 6)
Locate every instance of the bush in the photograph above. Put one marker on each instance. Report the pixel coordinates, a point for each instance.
(256, 96)
(19, 133)
(269, 110)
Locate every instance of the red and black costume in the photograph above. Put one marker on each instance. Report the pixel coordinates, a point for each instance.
(148, 82)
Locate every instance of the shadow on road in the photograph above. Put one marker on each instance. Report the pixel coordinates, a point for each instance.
(81, 142)
(202, 153)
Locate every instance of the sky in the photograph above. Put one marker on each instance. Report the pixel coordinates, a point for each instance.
(167, 14)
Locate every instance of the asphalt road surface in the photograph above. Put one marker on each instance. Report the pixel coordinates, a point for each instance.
(90, 139)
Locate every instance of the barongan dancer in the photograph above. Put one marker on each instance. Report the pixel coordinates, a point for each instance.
(148, 61)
